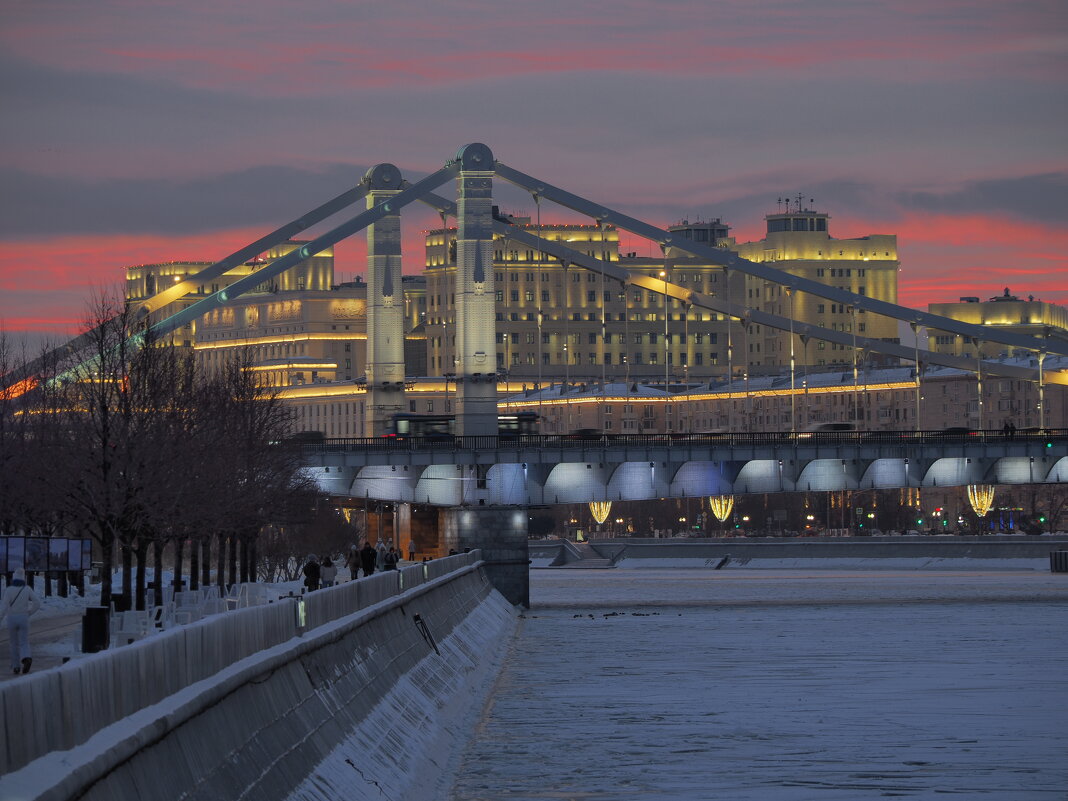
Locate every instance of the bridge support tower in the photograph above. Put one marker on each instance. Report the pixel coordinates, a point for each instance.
(476, 347)
(501, 533)
(385, 305)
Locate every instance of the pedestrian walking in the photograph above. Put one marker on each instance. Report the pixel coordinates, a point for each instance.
(311, 573)
(352, 561)
(380, 558)
(392, 557)
(411, 550)
(368, 558)
(327, 572)
(18, 603)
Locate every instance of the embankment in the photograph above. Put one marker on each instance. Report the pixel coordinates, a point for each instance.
(999, 552)
(371, 703)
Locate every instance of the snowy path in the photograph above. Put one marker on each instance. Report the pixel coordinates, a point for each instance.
(798, 685)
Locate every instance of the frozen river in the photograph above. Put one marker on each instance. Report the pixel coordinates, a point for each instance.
(792, 684)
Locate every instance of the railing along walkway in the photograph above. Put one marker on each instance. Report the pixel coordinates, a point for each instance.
(57, 709)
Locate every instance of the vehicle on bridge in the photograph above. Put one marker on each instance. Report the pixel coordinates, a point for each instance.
(442, 427)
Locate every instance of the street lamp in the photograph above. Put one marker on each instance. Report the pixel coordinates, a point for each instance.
(667, 348)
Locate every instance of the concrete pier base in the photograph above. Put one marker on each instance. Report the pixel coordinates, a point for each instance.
(501, 534)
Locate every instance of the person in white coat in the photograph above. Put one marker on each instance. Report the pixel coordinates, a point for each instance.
(17, 604)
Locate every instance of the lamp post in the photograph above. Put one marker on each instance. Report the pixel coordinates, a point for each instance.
(856, 395)
(793, 364)
(667, 350)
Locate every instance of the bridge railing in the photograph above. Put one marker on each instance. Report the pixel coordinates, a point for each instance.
(57, 709)
(738, 439)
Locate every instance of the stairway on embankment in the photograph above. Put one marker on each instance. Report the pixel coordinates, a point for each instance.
(585, 557)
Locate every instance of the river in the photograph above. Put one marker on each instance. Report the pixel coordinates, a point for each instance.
(768, 685)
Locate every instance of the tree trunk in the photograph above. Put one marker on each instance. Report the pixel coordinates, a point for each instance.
(245, 539)
(157, 570)
(220, 562)
(194, 565)
(232, 560)
(127, 576)
(253, 571)
(141, 552)
(205, 560)
(179, 556)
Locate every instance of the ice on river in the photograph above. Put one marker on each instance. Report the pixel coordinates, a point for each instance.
(780, 685)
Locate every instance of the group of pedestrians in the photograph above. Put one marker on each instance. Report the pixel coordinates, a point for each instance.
(369, 558)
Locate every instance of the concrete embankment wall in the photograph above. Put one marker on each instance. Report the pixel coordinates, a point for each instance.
(630, 552)
(366, 705)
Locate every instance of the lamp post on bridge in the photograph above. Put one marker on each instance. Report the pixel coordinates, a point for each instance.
(667, 352)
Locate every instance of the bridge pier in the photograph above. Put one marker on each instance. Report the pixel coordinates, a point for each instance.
(501, 534)
(385, 304)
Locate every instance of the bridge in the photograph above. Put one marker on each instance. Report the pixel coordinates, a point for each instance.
(479, 481)
(517, 471)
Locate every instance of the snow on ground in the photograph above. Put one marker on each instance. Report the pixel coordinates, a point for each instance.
(780, 685)
(843, 563)
(56, 631)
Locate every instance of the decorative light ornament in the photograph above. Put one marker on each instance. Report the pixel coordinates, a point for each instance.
(721, 506)
(981, 497)
(600, 510)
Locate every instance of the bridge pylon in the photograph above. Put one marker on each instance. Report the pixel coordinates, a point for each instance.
(476, 344)
(385, 304)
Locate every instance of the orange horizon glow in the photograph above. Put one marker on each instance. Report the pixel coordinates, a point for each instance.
(942, 256)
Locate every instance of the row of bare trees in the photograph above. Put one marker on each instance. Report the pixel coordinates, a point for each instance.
(128, 441)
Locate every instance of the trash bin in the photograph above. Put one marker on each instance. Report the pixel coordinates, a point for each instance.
(1058, 561)
(96, 633)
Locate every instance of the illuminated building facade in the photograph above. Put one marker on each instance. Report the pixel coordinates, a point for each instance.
(292, 338)
(145, 280)
(1030, 317)
(799, 242)
(566, 323)
(882, 399)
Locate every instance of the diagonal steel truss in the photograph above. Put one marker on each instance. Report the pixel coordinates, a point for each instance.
(422, 190)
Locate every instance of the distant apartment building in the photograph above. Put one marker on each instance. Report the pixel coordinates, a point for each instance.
(880, 399)
(1005, 313)
(564, 322)
(799, 242)
(145, 280)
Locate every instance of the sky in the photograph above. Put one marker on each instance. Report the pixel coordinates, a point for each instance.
(141, 132)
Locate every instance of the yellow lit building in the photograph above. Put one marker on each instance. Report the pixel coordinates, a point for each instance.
(1006, 312)
(799, 242)
(145, 280)
(292, 338)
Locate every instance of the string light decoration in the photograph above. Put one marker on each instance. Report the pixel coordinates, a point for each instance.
(981, 497)
(721, 506)
(600, 510)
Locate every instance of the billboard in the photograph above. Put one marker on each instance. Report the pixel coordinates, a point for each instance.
(38, 554)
